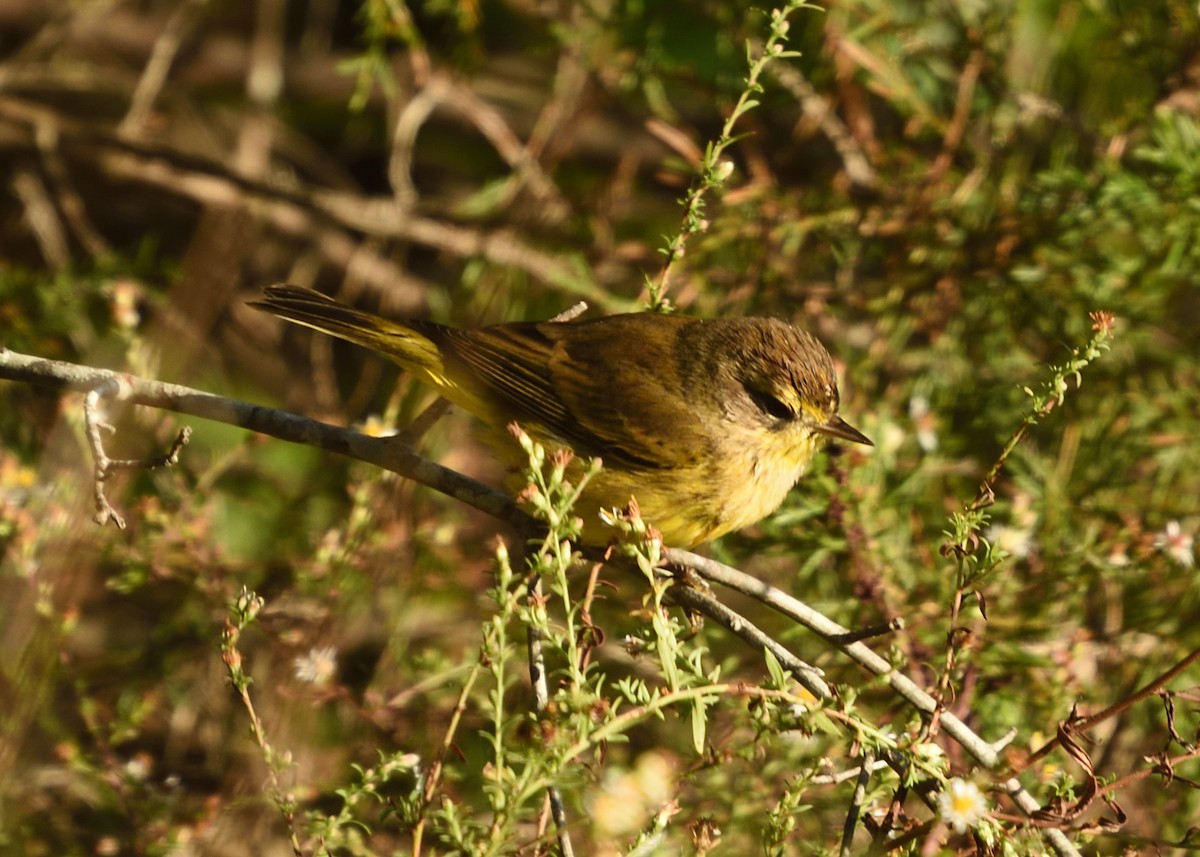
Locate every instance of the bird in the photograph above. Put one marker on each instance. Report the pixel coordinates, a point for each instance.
(706, 423)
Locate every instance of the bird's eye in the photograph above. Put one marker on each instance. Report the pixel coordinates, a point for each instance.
(769, 404)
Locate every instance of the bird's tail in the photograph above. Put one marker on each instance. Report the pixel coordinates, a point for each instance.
(395, 339)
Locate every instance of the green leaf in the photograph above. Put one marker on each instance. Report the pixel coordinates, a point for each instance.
(699, 725)
(778, 676)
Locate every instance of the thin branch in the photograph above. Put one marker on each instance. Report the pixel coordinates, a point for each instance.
(1152, 687)
(414, 114)
(848, 774)
(382, 452)
(158, 66)
(856, 802)
(264, 85)
(977, 747)
(871, 631)
(808, 676)
(571, 77)
(67, 22)
(953, 135)
(541, 699)
(242, 613)
(102, 465)
(40, 212)
(553, 206)
(71, 204)
(435, 770)
(424, 421)
(817, 109)
(443, 91)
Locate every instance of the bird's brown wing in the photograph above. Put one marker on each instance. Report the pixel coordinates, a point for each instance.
(607, 387)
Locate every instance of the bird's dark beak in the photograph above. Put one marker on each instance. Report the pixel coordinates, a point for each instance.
(842, 430)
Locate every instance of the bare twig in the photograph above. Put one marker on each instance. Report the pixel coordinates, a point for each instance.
(102, 465)
(809, 677)
(871, 631)
(67, 21)
(443, 91)
(43, 217)
(416, 111)
(952, 136)
(70, 203)
(1004, 740)
(571, 76)
(849, 774)
(817, 109)
(154, 74)
(856, 802)
(541, 699)
(977, 747)
(572, 312)
(424, 421)
(1082, 723)
(435, 770)
(528, 172)
(264, 85)
(383, 452)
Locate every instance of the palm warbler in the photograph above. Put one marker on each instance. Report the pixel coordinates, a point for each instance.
(708, 423)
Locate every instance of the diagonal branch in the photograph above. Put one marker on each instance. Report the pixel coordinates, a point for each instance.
(983, 752)
(382, 452)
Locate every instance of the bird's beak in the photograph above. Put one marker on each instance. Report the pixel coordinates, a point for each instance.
(842, 430)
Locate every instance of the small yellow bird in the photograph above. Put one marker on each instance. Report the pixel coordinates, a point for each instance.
(707, 422)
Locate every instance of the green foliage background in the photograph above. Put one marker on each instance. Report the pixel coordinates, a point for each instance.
(941, 191)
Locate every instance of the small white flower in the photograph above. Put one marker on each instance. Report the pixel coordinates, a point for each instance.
(318, 666)
(1013, 541)
(930, 753)
(924, 422)
(1176, 544)
(962, 804)
(138, 768)
(1016, 537)
(124, 296)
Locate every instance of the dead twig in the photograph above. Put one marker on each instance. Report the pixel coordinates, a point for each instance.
(103, 466)
(158, 66)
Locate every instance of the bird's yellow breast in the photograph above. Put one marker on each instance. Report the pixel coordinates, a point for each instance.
(689, 506)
